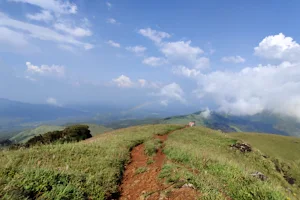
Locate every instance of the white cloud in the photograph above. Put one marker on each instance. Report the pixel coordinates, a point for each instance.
(52, 101)
(113, 44)
(252, 90)
(40, 32)
(53, 70)
(154, 61)
(233, 59)
(205, 114)
(182, 70)
(67, 48)
(13, 38)
(123, 81)
(30, 78)
(278, 47)
(74, 31)
(109, 5)
(57, 6)
(182, 52)
(137, 49)
(172, 91)
(111, 21)
(164, 102)
(154, 35)
(45, 16)
(142, 82)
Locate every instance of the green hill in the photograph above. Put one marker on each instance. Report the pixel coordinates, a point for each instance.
(24, 136)
(98, 129)
(264, 122)
(196, 161)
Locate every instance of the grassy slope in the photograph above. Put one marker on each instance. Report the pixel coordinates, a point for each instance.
(202, 157)
(197, 155)
(283, 147)
(72, 171)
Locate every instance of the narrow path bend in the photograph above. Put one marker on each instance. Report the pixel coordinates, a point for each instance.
(146, 185)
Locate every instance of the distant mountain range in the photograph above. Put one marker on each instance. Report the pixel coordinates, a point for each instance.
(16, 117)
(34, 112)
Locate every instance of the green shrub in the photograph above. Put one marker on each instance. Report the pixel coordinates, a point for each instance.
(69, 134)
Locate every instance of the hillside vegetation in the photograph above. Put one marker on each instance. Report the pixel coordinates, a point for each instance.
(90, 169)
(202, 157)
(24, 136)
(197, 156)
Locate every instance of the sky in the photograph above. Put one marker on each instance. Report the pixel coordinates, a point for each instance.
(240, 57)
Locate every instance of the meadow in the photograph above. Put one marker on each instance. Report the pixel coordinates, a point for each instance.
(202, 157)
(87, 170)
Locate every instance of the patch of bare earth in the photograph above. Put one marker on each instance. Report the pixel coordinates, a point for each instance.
(146, 185)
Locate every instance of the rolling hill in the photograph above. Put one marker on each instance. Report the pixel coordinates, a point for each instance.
(156, 161)
(264, 122)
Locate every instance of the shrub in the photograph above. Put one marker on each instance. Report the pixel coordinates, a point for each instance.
(69, 134)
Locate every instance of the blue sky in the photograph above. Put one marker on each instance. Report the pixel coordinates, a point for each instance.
(240, 57)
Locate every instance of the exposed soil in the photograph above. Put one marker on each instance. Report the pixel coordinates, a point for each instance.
(146, 185)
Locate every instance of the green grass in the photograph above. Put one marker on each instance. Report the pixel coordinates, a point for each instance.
(203, 157)
(151, 146)
(141, 170)
(199, 156)
(72, 171)
(283, 147)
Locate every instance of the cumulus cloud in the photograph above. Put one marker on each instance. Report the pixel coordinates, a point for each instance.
(184, 71)
(123, 81)
(154, 61)
(278, 47)
(233, 59)
(137, 49)
(253, 90)
(45, 16)
(40, 32)
(172, 91)
(183, 52)
(53, 70)
(113, 44)
(154, 35)
(74, 31)
(52, 101)
(56, 6)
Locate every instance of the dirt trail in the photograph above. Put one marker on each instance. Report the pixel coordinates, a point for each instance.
(146, 185)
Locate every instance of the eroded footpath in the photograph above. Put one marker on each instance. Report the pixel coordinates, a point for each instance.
(140, 179)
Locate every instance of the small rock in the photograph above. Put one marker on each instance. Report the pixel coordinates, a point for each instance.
(259, 175)
(243, 147)
(188, 185)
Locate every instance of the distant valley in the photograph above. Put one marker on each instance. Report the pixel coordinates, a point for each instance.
(21, 121)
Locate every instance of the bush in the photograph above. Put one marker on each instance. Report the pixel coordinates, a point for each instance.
(69, 134)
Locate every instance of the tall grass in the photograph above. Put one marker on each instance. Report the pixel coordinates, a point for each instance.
(87, 170)
(203, 157)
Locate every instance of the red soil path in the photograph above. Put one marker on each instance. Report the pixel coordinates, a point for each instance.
(147, 186)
